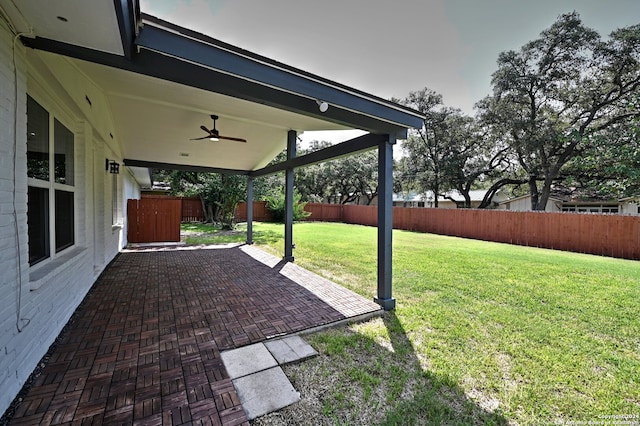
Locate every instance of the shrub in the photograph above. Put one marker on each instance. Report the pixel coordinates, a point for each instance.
(276, 205)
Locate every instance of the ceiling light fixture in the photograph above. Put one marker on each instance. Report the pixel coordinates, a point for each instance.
(322, 105)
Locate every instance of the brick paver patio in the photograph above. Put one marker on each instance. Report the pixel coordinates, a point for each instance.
(144, 347)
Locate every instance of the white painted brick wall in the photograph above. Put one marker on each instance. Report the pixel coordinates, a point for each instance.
(48, 304)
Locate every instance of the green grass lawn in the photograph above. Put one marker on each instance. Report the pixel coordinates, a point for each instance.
(483, 333)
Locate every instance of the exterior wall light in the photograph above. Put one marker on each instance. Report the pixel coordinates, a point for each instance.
(322, 105)
(112, 167)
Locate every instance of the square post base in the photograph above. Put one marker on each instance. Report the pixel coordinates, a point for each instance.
(387, 304)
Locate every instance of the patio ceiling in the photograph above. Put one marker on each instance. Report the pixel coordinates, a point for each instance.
(162, 82)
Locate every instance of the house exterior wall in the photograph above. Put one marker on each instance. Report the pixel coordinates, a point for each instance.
(37, 301)
(523, 204)
(629, 208)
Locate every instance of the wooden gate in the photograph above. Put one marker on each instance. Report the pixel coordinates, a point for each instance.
(154, 220)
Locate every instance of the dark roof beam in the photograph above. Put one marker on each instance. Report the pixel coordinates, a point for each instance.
(353, 146)
(184, 167)
(127, 13)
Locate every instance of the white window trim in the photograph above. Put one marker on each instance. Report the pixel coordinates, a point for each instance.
(52, 185)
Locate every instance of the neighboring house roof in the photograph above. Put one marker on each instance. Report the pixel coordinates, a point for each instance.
(476, 196)
(569, 196)
(527, 196)
(633, 198)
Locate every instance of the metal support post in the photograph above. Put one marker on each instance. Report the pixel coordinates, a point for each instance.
(385, 223)
(249, 210)
(288, 198)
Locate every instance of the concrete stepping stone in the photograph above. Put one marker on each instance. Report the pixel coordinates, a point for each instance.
(247, 360)
(290, 349)
(260, 383)
(264, 392)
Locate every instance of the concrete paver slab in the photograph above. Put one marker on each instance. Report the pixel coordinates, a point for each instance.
(266, 391)
(247, 360)
(290, 349)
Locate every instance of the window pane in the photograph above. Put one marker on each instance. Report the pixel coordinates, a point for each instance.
(114, 199)
(63, 154)
(64, 220)
(37, 141)
(38, 224)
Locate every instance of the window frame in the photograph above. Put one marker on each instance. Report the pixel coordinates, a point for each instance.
(52, 186)
(116, 203)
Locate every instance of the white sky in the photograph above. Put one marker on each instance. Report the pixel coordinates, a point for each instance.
(390, 47)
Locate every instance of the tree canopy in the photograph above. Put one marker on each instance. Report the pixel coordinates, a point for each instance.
(559, 95)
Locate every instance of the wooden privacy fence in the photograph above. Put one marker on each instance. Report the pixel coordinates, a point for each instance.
(601, 234)
(191, 207)
(319, 212)
(153, 219)
(192, 210)
(260, 212)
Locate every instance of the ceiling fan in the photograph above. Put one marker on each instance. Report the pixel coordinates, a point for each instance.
(214, 135)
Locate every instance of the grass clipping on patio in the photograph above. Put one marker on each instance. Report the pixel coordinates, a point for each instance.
(483, 333)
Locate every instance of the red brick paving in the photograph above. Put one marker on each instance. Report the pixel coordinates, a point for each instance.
(144, 347)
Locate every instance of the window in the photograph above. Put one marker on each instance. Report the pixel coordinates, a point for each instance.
(51, 192)
(115, 217)
(38, 224)
(591, 209)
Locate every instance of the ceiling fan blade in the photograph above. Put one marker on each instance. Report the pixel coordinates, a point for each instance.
(205, 129)
(229, 138)
(199, 139)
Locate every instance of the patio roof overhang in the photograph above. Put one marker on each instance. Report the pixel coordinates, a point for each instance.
(162, 82)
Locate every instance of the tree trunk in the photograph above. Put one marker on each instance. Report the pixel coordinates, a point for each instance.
(543, 197)
(486, 201)
(204, 209)
(533, 190)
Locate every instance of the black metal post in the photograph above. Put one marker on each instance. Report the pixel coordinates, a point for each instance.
(288, 198)
(385, 223)
(249, 210)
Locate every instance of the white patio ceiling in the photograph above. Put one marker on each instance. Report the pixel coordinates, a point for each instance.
(155, 120)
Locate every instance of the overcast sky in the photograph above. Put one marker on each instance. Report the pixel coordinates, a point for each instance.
(390, 47)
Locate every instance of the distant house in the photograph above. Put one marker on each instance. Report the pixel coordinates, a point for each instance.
(450, 200)
(629, 205)
(564, 202)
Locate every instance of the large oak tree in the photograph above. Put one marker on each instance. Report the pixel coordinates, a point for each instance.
(561, 92)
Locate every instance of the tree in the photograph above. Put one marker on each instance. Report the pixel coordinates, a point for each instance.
(314, 182)
(561, 92)
(355, 177)
(342, 180)
(475, 156)
(450, 151)
(219, 194)
(610, 166)
(427, 148)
